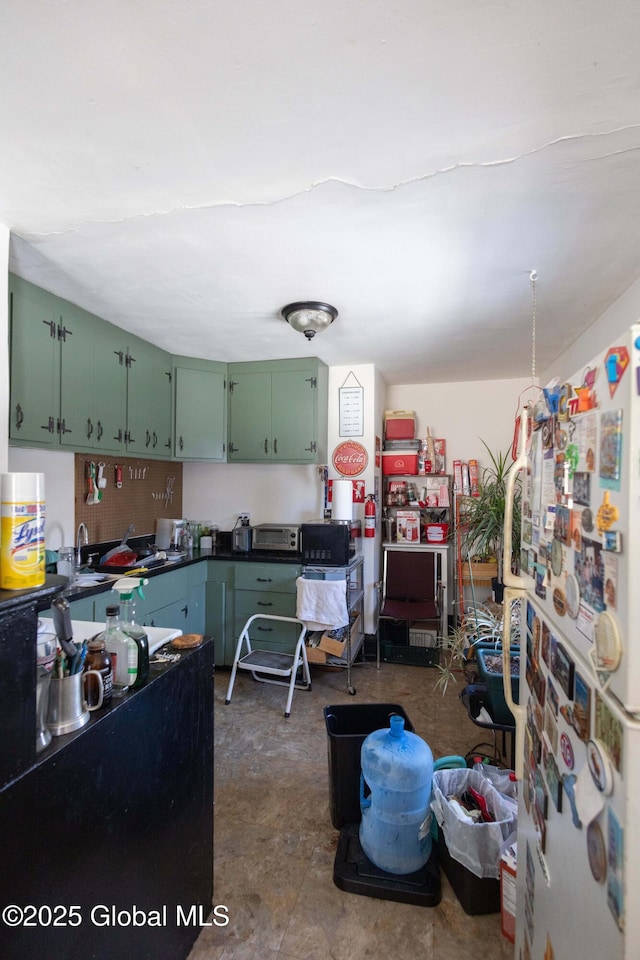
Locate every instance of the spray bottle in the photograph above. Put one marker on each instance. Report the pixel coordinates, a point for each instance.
(138, 652)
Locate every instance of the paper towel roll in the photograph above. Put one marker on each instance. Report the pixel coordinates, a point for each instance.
(163, 533)
(342, 500)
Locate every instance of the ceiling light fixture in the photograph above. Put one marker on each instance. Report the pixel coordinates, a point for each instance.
(309, 316)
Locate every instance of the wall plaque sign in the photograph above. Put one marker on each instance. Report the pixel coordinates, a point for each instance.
(350, 458)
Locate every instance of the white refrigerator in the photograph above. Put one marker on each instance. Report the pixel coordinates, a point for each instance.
(578, 720)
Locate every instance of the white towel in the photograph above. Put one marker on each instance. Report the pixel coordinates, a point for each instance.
(322, 604)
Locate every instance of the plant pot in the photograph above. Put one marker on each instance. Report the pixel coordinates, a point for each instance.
(490, 670)
(477, 572)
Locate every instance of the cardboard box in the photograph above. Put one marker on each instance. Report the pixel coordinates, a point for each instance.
(408, 526)
(508, 865)
(335, 642)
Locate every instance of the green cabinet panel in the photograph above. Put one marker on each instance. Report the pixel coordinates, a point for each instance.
(218, 613)
(109, 390)
(249, 416)
(200, 401)
(266, 577)
(35, 365)
(278, 411)
(82, 609)
(148, 399)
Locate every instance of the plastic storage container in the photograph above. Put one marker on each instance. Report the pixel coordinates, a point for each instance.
(399, 425)
(493, 682)
(348, 726)
(395, 832)
(399, 463)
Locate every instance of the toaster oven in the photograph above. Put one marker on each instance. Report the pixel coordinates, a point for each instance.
(277, 536)
(330, 543)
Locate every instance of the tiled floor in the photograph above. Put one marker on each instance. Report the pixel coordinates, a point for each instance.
(275, 844)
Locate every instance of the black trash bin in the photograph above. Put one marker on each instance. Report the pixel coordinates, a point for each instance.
(348, 726)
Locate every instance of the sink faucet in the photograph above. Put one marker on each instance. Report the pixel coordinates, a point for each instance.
(82, 540)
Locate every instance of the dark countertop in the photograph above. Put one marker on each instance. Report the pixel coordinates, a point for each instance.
(157, 669)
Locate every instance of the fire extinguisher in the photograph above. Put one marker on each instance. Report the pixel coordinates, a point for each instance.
(370, 516)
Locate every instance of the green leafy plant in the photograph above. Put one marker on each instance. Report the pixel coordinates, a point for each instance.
(482, 517)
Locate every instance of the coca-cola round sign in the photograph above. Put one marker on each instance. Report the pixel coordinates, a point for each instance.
(350, 458)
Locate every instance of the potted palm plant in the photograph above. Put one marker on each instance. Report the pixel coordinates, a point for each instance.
(482, 518)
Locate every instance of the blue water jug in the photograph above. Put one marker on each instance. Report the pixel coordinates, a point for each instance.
(395, 829)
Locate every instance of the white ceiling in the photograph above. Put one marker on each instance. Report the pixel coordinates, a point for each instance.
(184, 169)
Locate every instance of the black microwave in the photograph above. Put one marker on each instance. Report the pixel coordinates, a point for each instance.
(330, 543)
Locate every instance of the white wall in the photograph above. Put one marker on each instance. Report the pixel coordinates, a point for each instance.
(463, 413)
(58, 469)
(606, 330)
(4, 348)
(271, 493)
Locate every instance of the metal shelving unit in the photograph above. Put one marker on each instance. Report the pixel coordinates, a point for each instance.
(353, 574)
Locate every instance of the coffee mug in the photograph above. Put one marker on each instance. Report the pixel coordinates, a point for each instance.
(67, 708)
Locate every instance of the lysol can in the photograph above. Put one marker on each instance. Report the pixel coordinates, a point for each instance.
(22, 546)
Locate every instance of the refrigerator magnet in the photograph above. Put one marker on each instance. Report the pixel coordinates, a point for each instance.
(600, 767)
(607, 651)
(566, 749)
(587, 520)
(596, 851)
(572, 595)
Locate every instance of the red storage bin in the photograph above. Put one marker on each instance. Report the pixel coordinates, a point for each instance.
(399, 463)
(437, 532)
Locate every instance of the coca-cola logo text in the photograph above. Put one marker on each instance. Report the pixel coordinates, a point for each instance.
(350, 458)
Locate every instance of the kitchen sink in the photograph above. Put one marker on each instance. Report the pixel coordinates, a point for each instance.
(85, 629)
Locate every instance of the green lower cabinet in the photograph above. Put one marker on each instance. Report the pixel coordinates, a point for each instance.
(215, 623)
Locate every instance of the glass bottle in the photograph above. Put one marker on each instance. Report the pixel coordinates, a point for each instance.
(139, 651)
(98, 659)
(119, 647)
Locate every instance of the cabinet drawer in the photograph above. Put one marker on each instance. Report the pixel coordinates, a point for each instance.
(267, 576)
(270, 635)
(248, 602)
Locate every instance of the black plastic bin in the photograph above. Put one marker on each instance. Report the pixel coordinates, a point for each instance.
(348, 726)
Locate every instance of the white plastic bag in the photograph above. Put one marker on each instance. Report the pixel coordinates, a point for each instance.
(476, 846)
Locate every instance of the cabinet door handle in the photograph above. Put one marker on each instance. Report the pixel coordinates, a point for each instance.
(168, 444)
(52, 327)
(266, 445)
(261, 603)
(147, 439)
(266, 629)
(264, 580)
(120, 355)
(100, 431)
(275, 445)
(62, 427)
(19, 416)
(128, 438)
(50, 426)
(119, 436)
(89, 427)
(155, 439)
(185, 610)
(181, 443)
(312, 448)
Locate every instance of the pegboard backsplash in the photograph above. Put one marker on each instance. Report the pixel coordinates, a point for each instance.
(150, 489)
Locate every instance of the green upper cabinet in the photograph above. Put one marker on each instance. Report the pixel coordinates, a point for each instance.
(200, 399)
(278, 411)
(59, 394)
(35, 365)
(148, 399)
(81, 383)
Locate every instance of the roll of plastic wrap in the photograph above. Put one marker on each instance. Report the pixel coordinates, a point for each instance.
(342, 500)
(22, 510)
